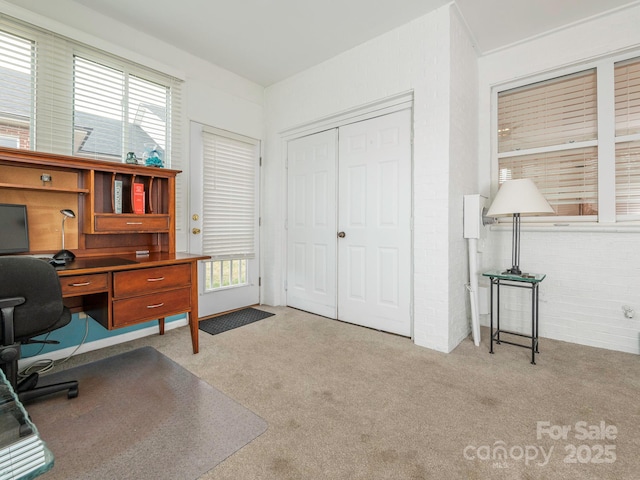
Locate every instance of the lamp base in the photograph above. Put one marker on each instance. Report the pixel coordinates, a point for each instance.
(515, 270)
(65, 255)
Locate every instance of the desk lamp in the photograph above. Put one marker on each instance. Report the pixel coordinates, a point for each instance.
(63, 254)
(518, 197)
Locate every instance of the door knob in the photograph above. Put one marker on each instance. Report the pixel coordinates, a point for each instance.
(341, 234)
(195, 231)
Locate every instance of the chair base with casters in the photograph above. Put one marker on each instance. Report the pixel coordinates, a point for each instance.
(23, 317)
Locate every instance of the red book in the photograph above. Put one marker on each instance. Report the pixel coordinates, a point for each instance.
(138, 198)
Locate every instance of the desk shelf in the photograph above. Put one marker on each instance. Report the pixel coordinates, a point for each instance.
(81, 191)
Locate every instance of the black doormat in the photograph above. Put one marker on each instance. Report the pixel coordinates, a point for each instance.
(232, 320)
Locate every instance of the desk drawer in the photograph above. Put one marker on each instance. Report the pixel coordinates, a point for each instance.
(131, 223)
(146, 280)
(149, 307)
(84, 284)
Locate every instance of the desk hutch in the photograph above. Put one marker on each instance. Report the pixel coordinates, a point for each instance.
(110, 279)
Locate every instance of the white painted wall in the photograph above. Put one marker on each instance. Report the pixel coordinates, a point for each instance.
(591, 274)
(417, 57)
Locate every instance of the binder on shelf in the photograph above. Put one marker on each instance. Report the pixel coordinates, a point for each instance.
(117, 196)
(138, 198)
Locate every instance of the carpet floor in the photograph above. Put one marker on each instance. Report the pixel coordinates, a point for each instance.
(346, 402)
(140, 415)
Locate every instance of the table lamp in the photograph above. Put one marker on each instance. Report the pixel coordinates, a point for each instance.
(63, 254)
(516, 198)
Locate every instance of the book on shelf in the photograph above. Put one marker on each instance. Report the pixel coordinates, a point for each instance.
(138, 198)
(117, 196)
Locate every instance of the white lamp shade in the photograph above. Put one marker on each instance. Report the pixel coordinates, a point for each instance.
(519, 196)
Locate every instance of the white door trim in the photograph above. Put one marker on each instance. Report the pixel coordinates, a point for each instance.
(390, 104)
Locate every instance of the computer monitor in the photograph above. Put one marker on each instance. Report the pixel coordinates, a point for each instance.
(14, 229)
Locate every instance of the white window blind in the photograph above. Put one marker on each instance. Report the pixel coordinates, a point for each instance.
(548, 132)
(17, 79)
(628, 178)
(627, 108)
(627, 97)
(116, 112)
(568, 179)
(555, 112)
(229, 198)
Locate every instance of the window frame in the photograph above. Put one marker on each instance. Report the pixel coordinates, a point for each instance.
(605, 142)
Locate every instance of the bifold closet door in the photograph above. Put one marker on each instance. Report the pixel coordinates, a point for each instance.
(374, 221)
(311, 223)
(349, 223)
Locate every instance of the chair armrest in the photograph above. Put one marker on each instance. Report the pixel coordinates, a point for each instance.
(6, 325)
(11, 302)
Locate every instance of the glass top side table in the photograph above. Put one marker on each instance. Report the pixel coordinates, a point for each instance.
(23, 455)
(531, 281)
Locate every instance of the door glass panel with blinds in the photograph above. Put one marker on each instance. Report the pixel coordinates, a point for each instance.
(548, 132)
(229, 213)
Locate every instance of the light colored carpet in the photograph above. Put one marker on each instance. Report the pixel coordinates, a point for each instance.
(345, 402)
(140, 415)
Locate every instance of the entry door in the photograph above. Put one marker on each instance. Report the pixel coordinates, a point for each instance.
(374, 220)
(231, 279)
(311, 223)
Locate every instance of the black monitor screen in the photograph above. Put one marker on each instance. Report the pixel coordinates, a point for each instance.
(14, 233)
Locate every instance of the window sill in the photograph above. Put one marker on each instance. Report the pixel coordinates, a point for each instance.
(572, 227)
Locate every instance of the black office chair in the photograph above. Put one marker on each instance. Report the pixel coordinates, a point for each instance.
(30, 305)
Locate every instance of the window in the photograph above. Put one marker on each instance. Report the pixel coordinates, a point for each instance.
(115, 112)
(627, 111)
(577, 137)
(16, 90)
(60, 96)
(229, 218)
(548, 132)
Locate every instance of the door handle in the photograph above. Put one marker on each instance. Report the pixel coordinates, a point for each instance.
(195, 231)
(341, 234)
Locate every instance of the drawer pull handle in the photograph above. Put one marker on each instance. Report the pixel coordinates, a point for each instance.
(134, 223)
(79, 284)
(157, 279)
(156, 305)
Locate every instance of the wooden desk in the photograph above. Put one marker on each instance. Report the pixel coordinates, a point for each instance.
(107, 280)
(123, 290)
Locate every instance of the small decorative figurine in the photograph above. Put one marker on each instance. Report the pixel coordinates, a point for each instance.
(131, 158)
(152, 156)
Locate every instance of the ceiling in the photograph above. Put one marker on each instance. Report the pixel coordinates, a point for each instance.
(269, 40)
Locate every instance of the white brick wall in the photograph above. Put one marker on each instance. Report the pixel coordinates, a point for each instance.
(463, 158)
(591, 275)
(413, 57)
